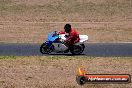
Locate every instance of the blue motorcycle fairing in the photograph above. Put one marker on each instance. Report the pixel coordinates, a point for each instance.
(51, 37)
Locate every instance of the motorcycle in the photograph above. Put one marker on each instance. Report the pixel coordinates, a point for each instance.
(55, 43)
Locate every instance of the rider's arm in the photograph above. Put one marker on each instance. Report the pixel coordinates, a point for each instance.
(77, 40)
(70, 37)
(73, 35)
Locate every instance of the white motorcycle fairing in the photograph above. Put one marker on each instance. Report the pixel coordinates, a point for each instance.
(83, 38)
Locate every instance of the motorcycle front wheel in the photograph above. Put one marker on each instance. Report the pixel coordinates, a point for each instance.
(44, 49)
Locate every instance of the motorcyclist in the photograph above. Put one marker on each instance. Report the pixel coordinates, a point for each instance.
(72, 36)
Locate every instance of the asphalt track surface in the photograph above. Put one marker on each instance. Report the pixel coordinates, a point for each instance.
(92, 49)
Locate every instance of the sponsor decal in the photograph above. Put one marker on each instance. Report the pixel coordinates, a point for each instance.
(82, 77)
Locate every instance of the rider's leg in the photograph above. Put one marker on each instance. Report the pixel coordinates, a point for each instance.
(77, 40)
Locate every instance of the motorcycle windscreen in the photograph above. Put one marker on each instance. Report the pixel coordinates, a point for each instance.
(51, 37)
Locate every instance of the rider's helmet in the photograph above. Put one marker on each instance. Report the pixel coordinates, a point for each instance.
(67, 28)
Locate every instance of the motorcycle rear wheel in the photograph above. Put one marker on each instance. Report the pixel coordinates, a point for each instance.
(77, 49)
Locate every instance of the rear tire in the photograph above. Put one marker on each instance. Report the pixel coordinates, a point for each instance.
(77, 49)
(44, 49)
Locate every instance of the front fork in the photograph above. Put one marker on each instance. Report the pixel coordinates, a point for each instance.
(49, 44)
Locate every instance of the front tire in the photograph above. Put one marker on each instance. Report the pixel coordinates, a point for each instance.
(44, 49)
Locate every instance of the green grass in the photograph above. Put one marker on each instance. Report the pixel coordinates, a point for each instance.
(8, 57)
